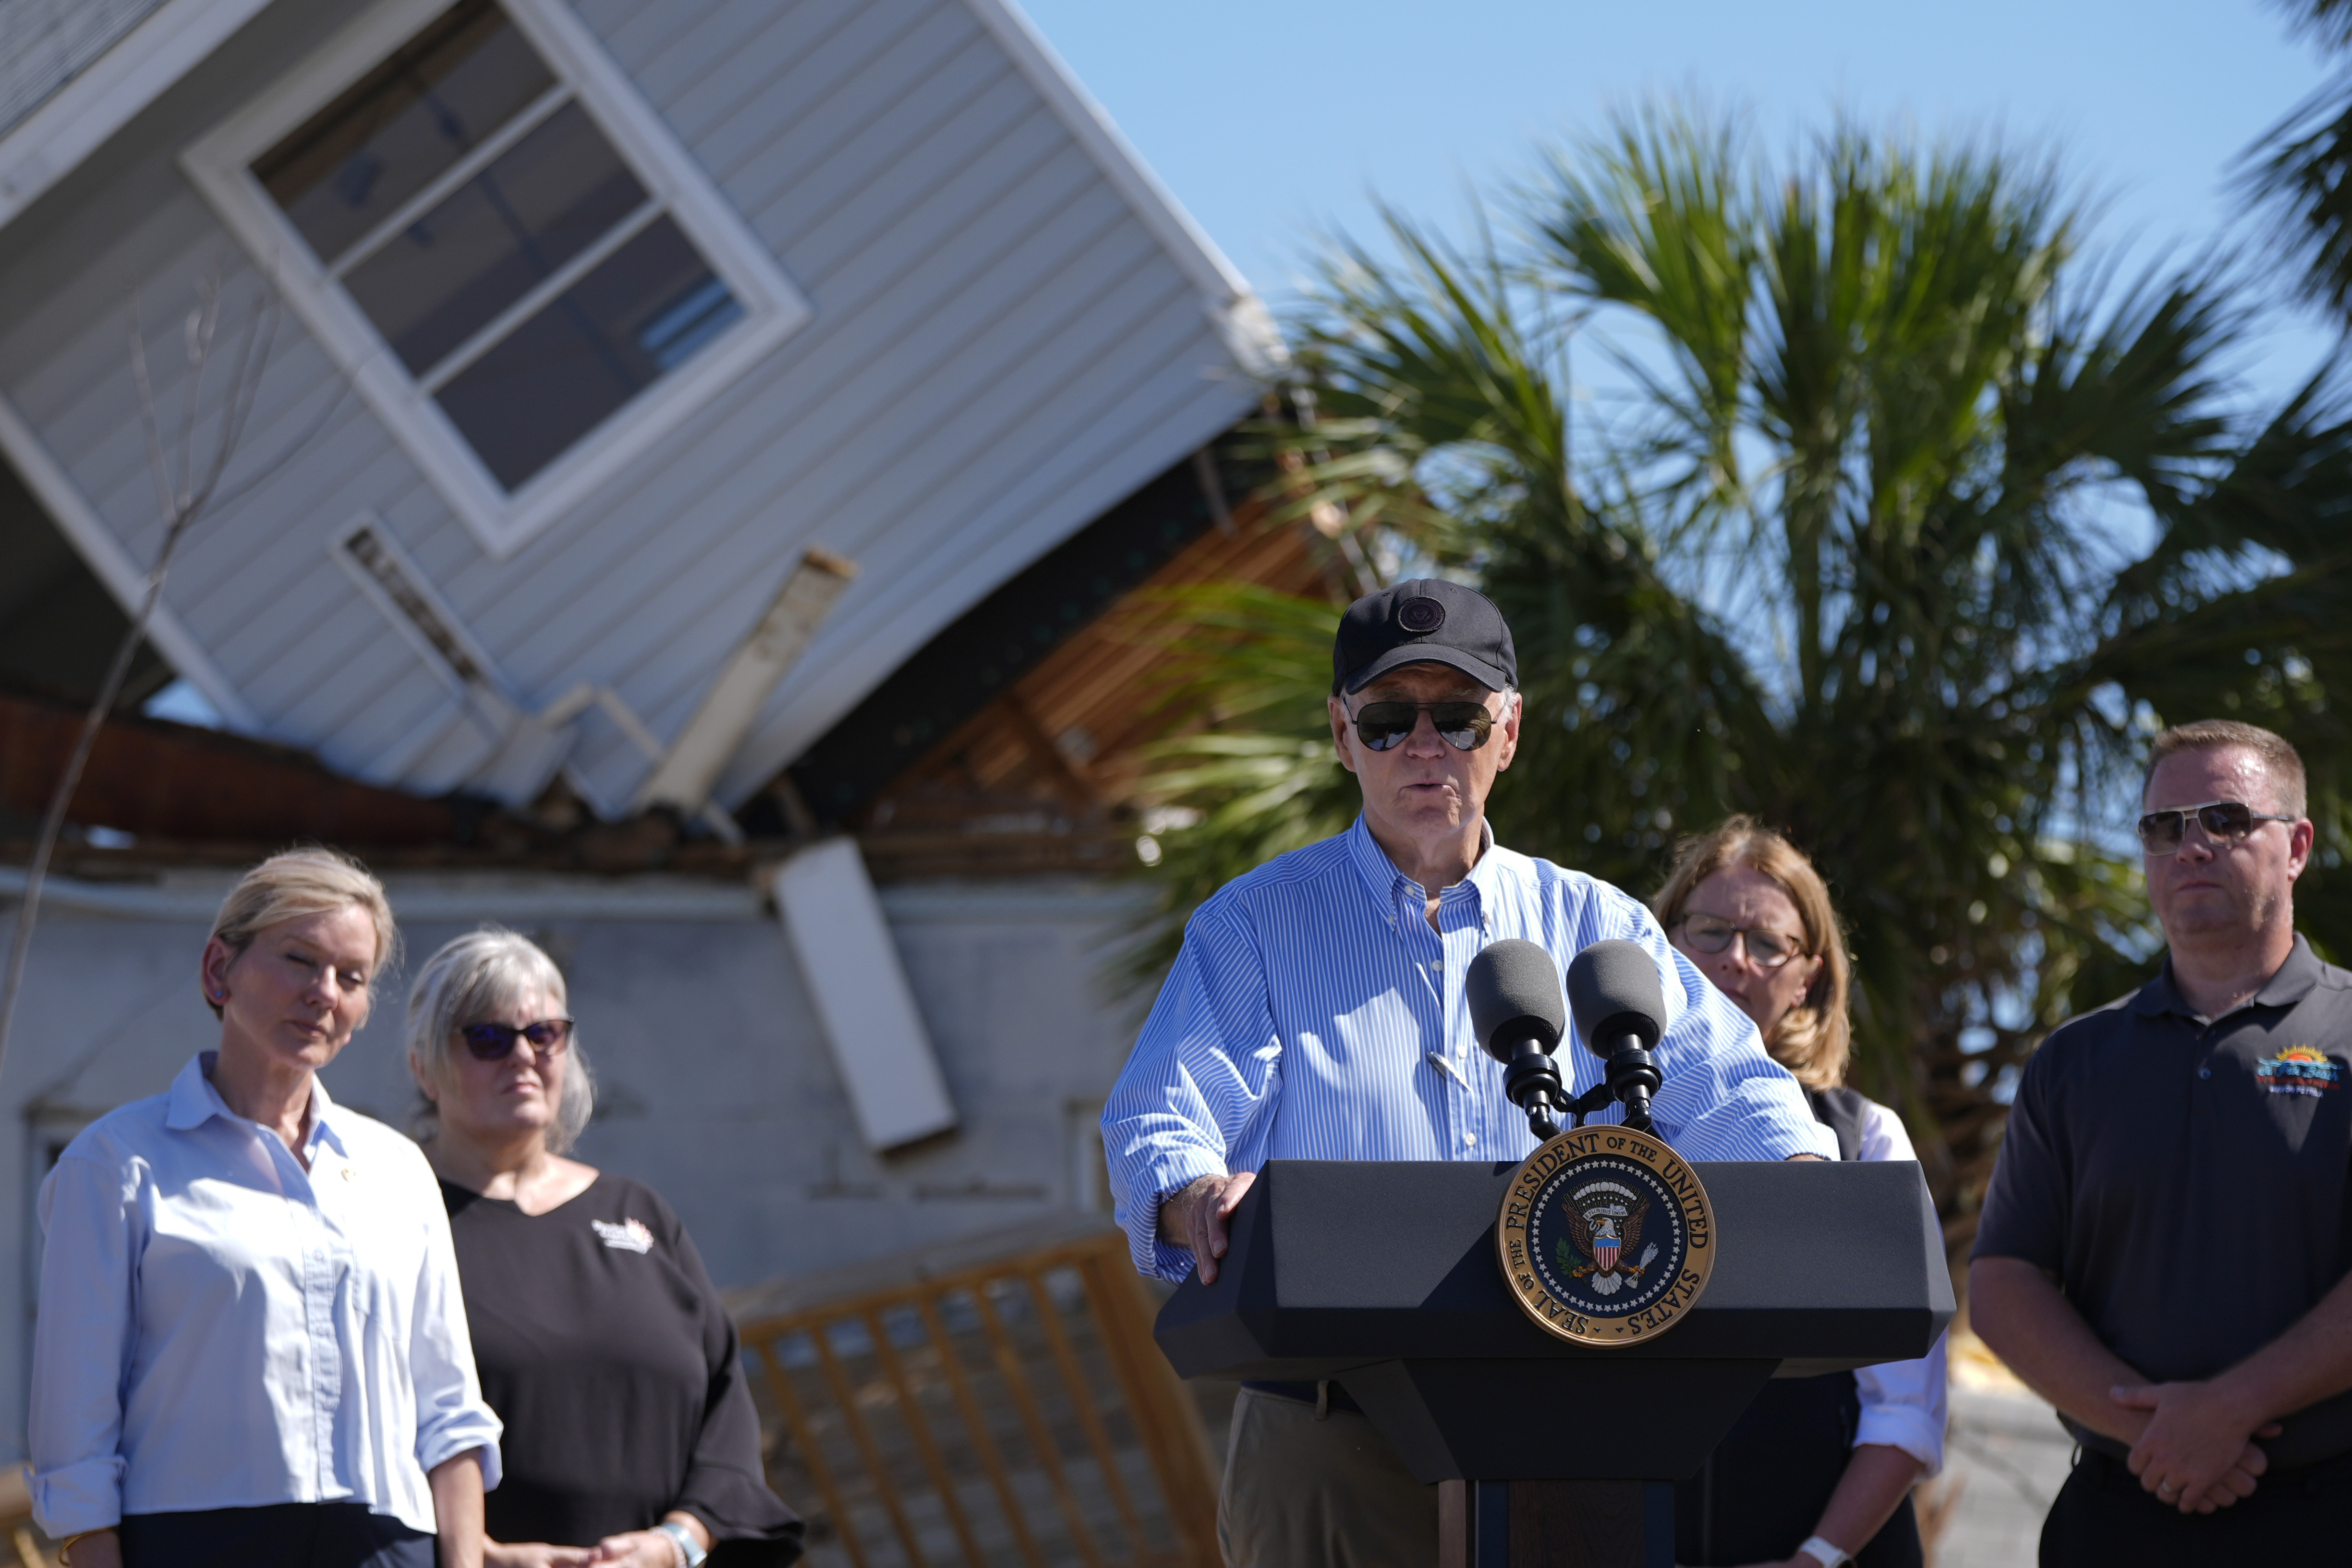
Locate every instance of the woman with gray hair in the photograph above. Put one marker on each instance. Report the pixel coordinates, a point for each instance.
(630, 1432)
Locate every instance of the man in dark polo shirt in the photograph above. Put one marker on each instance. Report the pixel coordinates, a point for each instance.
(2164, 1247)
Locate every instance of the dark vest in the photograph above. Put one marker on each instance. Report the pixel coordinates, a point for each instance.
(1762, 1491)
(1842, 1111)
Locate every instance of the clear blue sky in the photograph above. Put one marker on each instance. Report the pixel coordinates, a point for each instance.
(1275, 119)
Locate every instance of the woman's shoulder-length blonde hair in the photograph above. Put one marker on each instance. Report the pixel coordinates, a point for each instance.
(470, 977)
(1815, 1038)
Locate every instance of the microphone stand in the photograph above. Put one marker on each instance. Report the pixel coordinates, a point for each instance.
(1531, 1082)
(1632, 1076)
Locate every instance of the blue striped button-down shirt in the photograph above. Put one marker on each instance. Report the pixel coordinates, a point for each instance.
(1309, 1009)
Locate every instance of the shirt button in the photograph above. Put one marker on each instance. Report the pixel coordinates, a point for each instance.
(1469, 1140)
(2204, 1072)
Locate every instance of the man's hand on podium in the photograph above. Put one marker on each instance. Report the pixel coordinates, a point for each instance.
(1197, 1219)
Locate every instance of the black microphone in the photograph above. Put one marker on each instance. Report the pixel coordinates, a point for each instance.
(1513, 989)
(1620, 1006)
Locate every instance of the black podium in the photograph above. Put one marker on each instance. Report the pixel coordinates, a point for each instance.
(1383, 1278)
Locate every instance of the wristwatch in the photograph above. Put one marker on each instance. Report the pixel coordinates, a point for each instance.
(687, 1551)
(1826, 1553)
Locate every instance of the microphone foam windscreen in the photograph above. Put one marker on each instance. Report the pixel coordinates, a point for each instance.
(1614, 991)
(1513, 988)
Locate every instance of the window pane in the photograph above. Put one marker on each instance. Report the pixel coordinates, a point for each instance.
(386, 139)
(647, 307)
(539, 204)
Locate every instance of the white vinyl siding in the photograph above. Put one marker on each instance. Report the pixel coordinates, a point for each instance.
(53, 41)
(1000, 349)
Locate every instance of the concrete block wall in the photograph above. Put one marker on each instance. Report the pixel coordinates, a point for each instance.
(717, 1086)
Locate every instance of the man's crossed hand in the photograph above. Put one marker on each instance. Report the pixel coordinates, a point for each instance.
(2196, 1451)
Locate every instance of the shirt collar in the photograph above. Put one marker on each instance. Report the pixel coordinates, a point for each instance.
(1387, 883)
(2294, 978)
(1490, 865)
(2290, 986)
(194, 1101)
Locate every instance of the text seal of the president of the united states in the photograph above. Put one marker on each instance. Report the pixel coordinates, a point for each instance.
(1606, 1236)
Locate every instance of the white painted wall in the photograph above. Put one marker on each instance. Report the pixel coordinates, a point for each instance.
(718, 1088)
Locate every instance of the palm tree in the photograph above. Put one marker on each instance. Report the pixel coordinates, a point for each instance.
(1847, 556)
(2300, 172)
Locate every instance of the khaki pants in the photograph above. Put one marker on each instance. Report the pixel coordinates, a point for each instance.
(1301, 1492)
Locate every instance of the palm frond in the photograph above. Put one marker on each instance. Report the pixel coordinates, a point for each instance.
(1847, 564)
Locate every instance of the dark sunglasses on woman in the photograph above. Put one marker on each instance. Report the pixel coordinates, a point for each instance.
(1464, 726)
(495, 1042)
(2224, 821)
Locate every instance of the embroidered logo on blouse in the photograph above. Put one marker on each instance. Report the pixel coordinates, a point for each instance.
(630, 1235)
(2299, 1069)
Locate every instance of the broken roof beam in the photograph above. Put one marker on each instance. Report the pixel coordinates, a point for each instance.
(684, 776)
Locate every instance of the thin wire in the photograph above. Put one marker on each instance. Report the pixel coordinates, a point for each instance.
(182, 505)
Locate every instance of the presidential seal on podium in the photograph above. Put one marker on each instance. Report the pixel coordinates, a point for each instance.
(1606, 1236)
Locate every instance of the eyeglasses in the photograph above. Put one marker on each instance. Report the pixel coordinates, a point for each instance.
(495, 1042)
(2224, 821)
(1766, 948)
(1464, 726)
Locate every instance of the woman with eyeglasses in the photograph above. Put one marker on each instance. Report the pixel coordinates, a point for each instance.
(1819, 1470)
(630, 1432)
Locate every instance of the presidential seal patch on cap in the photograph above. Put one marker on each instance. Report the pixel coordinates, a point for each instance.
(1606, 1237)
(1421, 616)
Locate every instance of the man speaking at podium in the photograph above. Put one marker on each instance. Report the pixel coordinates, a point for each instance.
(2163, 1250)
(1316, 1013)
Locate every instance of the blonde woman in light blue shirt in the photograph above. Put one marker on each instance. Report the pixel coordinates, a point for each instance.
(251, 1346)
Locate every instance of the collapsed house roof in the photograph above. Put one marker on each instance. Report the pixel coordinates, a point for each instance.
(983, 328)
(1011, 744)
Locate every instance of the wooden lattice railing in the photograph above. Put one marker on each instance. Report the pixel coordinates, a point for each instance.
(20, 1542)
(1013, 1410)
(987, 1403)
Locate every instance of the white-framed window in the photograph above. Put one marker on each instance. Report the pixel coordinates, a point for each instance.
(526, 276)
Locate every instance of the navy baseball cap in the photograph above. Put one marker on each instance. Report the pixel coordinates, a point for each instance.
(1425, 621)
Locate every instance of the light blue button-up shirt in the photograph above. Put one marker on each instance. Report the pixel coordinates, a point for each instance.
(1314, 1014)
(221, 1329)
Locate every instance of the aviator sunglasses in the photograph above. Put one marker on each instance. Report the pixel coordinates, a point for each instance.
(495, 1042)
(1464, 726)
(2224, 821)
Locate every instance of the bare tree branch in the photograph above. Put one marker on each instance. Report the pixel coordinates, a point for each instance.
(180, 503)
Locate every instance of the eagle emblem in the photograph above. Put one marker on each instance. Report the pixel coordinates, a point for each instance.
(1605, 1236)
(1605, 1226)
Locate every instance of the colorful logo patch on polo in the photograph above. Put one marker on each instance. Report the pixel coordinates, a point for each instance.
(2299, 1069)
